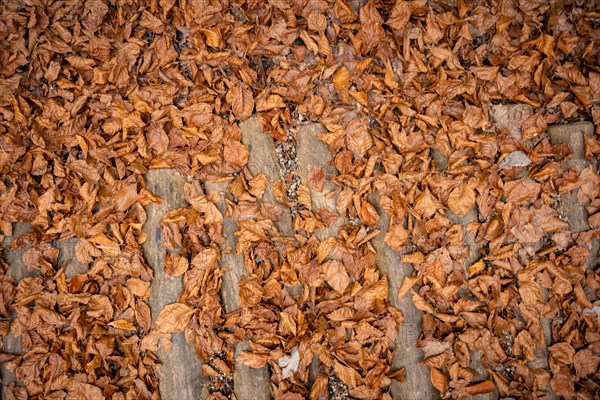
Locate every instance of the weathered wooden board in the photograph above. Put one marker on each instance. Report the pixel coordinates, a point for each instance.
(572, 135)
(67, 255)
(263, 159)
(417, 385)
(570, 207)
(312, 152)
(474, 256)
(180, 376)
(14, 257)
(249, 383)
(18, 270)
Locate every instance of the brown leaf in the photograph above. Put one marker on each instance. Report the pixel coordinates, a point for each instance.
(358, 137)
(143, 315)
(174, 318)
(438, 380)
(586, 363)
(252, 360)
(319, 387)
(175, 265)
(258, 184)
(242, 103)
(348, 375)
(480, 388)
(316, 179)
(522, 191)
(371, 31)
(83, 391)
(426, 204)
(398, 375)
(461, 199)
(378, 291)
(336, 276)
(122, 324)
(235, 153)
(88, 172)
(407, 283)
(563, 386)
(125, 197)
(341, 79)
(108, 246)
(213, 37)
(287, 325)
(396, 237)
(368, 215)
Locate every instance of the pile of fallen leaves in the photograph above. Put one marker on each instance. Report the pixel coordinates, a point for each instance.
(440, 109)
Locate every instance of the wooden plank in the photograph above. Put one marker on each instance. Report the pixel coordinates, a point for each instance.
(417, 385)
(17, 270)
(474, 256)
(14, 257)
(570, 207)
(67, 255)
(263, 159)
(249, 383)
(179, 376)
(312, 152)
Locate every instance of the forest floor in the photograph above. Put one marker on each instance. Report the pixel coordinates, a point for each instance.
(291, 199)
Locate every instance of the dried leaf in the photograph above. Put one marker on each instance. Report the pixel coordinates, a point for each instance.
(461, 199)
(242, 103)
(174, 318)
(438, 380)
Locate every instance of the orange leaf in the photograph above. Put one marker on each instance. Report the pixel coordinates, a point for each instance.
(368, 215)
(252, 360)
(174, 318)
(336, 276)
(213, 37)
(461, 199)
(439, 380)
(242, 103)
(341, 79)
(122, 324)
(396, 237)
(480, 388)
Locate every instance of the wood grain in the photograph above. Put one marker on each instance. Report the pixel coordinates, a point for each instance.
(14, 257)
(249, 383)
(474, 256)
(312, 152)
(417, 385)
(67, 255)
(263, 159)
(180, 376)
(570, 207)
(17, 270)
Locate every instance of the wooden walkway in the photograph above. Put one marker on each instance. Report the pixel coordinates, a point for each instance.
(180, 376)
